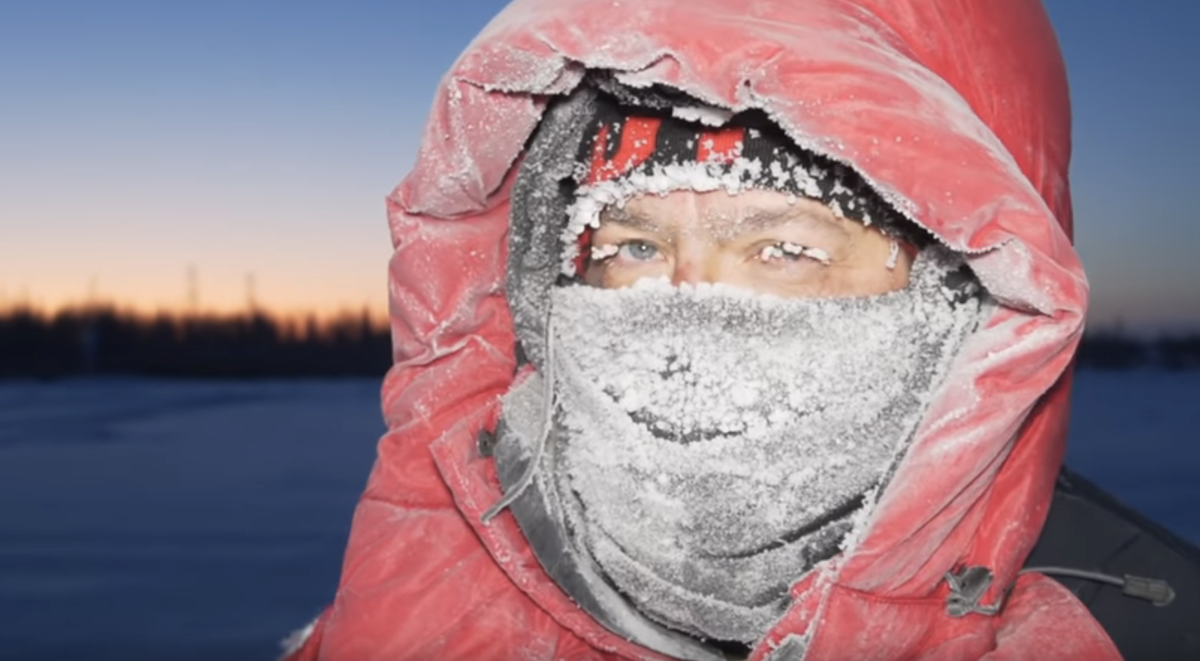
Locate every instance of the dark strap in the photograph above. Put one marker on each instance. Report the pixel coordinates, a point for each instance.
(1090, 534)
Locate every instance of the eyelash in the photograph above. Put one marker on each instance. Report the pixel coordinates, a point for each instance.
(606, 252)
(780, 249)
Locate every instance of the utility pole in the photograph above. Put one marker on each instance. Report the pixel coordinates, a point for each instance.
(93, 293)
(193, 291)
(251, 294)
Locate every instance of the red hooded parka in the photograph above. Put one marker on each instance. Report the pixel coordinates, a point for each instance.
(956, 110)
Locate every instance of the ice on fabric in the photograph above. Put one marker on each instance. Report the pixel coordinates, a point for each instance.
(715, 592)
(540, 515)
(715, 444)
(707, 115)
(701, 176)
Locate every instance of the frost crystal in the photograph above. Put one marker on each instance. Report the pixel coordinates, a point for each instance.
(708, 115)
(740, 175)
(605, 251)
(893, 255)
(708, 428)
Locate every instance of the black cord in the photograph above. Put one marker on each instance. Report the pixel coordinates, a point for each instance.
(1156, 591)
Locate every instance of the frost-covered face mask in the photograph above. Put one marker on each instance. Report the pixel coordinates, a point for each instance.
(680, 457)
(714, 444)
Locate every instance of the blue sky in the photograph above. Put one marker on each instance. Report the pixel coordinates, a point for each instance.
(141, 138)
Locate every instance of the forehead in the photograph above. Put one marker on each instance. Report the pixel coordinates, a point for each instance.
(721, 211)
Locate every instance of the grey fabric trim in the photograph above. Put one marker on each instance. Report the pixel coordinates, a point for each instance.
(540, 197)
(793, 648)
(544, 526)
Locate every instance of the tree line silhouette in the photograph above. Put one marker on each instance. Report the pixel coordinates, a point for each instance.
(106, 340)
(1116, 350)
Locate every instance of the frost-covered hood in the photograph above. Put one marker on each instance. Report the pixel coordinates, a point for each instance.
(956, 111)
(974, 150)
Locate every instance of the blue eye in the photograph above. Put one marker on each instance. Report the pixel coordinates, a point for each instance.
(639, 251)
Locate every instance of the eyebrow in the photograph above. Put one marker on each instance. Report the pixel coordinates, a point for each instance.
(755, 220)
(763, 219)
(630, 219)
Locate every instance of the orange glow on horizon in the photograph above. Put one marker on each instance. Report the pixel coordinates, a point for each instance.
(144, 306)
(193, 291)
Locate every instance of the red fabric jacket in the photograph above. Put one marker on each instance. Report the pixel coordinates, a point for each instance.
(956, 110)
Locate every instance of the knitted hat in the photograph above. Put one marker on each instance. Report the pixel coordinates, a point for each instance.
(629, 151)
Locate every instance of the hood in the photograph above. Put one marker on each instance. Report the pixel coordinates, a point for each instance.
(955, 111)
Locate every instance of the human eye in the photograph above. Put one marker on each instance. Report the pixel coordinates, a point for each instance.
(632, 250)
(638, 251)
(783, 252)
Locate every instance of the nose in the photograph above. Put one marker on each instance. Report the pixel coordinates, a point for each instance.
(692, 270)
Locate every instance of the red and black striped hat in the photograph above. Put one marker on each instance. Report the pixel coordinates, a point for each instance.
(747, 151)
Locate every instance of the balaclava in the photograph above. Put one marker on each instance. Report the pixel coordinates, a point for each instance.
(626, 154)
(700, 448)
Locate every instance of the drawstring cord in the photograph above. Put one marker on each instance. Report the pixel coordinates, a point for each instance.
(531, 470)
(1156, 591)
(968, 585)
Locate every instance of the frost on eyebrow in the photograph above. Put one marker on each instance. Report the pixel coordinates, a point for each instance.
(726, 223)
(631, 218)
(796, 182)
(593, 199)
(806, 215)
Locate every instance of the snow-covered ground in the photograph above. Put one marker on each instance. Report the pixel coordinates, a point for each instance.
(162, 520)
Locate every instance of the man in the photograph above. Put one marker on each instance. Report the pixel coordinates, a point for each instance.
(724, 330)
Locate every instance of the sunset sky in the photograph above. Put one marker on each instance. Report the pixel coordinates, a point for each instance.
(256, 139)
